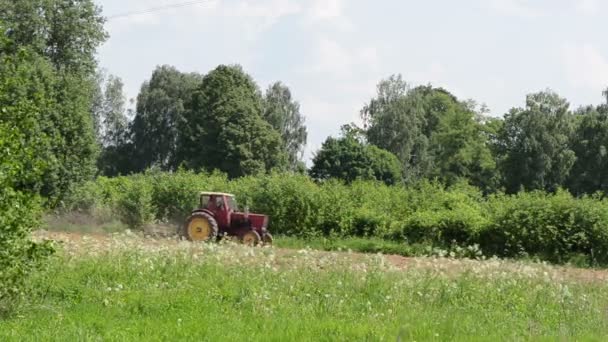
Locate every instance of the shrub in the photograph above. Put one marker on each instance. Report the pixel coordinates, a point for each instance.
(553, 227)
(557, 227)
(135, 202)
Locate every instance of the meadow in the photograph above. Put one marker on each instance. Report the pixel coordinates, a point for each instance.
(126, 287)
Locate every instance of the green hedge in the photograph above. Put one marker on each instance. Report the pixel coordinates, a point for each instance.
(553, 227)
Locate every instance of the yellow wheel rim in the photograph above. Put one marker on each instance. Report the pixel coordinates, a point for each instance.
(199, 229)
(250, 239)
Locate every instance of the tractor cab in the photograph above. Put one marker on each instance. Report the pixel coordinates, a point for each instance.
(221, 205)
(218, 215)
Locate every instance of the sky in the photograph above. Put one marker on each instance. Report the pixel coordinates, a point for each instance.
(332, 53)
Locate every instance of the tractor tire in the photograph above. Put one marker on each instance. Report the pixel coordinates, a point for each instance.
(200, 226)
(251, 238)
(267, 239)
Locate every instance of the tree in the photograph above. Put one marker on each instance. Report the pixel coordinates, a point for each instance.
(460, 148)
(113, 118)
(283, 113)
(97, 99)
(394, 122)
(25, 148)
(533, 144)
(159, 116)
(433, 134)
(349, 158)
(66, 34)
(117, 152)
(224, 128)
(590, 145)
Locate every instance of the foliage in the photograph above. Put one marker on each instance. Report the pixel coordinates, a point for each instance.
(61, 37)
(67, 33)
(348, 158)
(589, 143)
(554, 227)
(24, 148)
(533, 144)
(113, 118)
(432, 133)
(394, 122)
(460, 148)
(283, 113)
(156, 128)
(111, 127)
(224, 128)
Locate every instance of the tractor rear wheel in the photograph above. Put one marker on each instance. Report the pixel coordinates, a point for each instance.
(267, 239)
(251, 238)
(200, 226)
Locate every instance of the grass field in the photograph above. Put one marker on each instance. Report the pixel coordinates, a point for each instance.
(76, 223)
(129, 288)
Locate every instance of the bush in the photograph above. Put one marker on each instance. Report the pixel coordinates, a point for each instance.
(553, 227)
(19, 256)
(135, 203)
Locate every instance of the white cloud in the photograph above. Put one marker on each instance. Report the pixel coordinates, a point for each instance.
(327, 9)
(329, 12)
(269, 10)
(433, 73)
(585, 66)
(332, 58)
(517, 8)
(254, 16)
(588, 7)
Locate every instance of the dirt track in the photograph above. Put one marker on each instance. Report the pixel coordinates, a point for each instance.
(74, 242)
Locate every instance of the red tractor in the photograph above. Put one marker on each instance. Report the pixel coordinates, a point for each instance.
(218, 216)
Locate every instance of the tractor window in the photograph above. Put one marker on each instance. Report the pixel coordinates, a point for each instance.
(204, 201)
(232, 203)
(219, 202)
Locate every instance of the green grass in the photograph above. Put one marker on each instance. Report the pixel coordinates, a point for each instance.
(132, 291)
(355, 244)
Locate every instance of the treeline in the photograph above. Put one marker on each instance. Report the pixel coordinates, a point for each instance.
(553, 227)
(543, 146)
(222, 121)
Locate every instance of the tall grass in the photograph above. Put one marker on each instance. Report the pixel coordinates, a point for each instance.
(127, 289)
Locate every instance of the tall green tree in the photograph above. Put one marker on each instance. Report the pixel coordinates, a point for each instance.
(394, 121)
(283, 113)
(461, 149)
(349, 158)
(159, 116)
(66, 34)
(224, 128)
(26, 92)
(590, 145)
(114, 137)
(433, 133)
(113, 113)
(534, 144)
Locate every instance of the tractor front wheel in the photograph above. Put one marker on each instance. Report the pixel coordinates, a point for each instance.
(200, 226)
(251, 238)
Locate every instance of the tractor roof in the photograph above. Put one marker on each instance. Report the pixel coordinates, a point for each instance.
(209, 193)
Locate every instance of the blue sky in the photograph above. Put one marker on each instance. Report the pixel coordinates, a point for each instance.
(332, 53)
